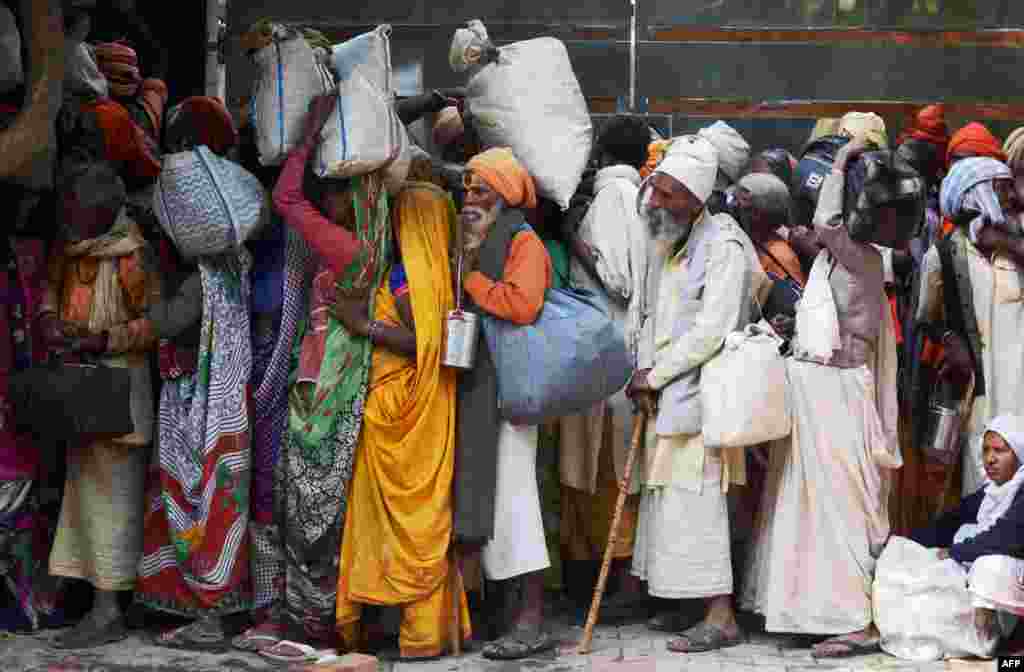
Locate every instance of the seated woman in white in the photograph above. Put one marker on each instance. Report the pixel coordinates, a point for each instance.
(968, 558)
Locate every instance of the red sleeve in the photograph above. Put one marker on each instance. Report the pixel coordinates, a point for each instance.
(519, 296)
(336, 246)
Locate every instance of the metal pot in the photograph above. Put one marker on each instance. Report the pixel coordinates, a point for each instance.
(943, 438)
(462, 331)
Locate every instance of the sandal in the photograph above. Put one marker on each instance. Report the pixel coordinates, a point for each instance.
(257, 638)
(669, 621)
(202, 635)
(703, 638)
(296, 652)
(89, 635)
(523, 642)
(849, 648)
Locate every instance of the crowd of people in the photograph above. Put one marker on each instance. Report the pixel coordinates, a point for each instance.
(297, 451)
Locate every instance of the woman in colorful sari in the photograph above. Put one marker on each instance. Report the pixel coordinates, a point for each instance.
(346, 224)
(401, 493)
(195, 559)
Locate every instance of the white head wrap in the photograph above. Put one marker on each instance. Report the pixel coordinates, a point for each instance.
(733, 150)
(693, 162)
(999, 498)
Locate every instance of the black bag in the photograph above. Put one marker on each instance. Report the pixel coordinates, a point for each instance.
(814, 166)
(62, 402)
(883, 179)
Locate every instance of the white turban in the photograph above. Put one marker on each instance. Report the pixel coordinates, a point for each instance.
(733, 150)
(692, 161)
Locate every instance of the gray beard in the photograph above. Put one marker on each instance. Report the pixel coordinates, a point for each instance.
(666, 232)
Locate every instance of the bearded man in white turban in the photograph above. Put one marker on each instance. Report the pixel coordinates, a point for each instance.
(707, 280)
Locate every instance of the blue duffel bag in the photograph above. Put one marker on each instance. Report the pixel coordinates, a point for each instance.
(572, 357)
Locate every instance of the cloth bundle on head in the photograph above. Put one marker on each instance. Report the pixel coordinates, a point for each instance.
(201, 120)
(969, 188)
(693, 162)
(503, 172)
(866, 125)
(999, 498)
(974, 140)
(120, 64)
(823, 127)
(733, 150)
(1014, 149)
(448, 127)
(929, 125)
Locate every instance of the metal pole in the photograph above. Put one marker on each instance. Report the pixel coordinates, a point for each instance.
(632, 55)
(216, 29)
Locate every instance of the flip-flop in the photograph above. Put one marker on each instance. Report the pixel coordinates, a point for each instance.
(523, 642)
(703, 638)
(195, 636)
(851, 648)
(87, 636)
(258, 638)
(668, 621)
(296, 652)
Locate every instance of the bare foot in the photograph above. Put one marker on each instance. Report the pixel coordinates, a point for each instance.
(856, 643)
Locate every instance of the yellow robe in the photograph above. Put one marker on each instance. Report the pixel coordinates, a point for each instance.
(395, 550)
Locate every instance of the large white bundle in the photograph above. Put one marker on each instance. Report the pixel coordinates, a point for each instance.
(290, 76)
(922, 607)
(527, 98)
(363, 134)
(11, 74)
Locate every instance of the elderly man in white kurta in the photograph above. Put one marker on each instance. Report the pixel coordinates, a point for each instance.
(705, 291)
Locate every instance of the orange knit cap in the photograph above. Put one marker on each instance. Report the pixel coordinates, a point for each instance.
(975, 140)
(500, 169)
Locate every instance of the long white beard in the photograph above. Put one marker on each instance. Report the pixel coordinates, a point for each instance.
(475, 232)
(666, 231)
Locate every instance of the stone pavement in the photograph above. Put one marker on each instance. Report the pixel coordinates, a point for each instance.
(624, 648)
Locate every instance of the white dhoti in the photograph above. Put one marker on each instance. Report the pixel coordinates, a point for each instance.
(682, 542)
(519, 546)
(824, 517)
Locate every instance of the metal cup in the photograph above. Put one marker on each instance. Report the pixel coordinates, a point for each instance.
(462, 331)
(943, 440)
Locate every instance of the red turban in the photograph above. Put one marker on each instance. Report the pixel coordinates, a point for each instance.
(210, 121)
(120, 65)
(929, 125)
(975, 140)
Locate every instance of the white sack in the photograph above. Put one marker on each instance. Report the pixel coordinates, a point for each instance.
(363, 134)
(528, 99)
(290, 76)
(922, 607)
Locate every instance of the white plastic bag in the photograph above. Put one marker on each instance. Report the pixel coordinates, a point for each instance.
(363, 134)
(744, 391)
(922, 607)
(11, 74)
(529, 99)
(290, 76)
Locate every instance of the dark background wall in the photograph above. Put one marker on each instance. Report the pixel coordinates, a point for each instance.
(596, 35)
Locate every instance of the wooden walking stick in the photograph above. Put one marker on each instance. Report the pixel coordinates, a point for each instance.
(455, 622)
(639, 423)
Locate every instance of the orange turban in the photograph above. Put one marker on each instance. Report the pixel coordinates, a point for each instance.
(975, 140)
(655, 153)
(500, 169)
(929, 125)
